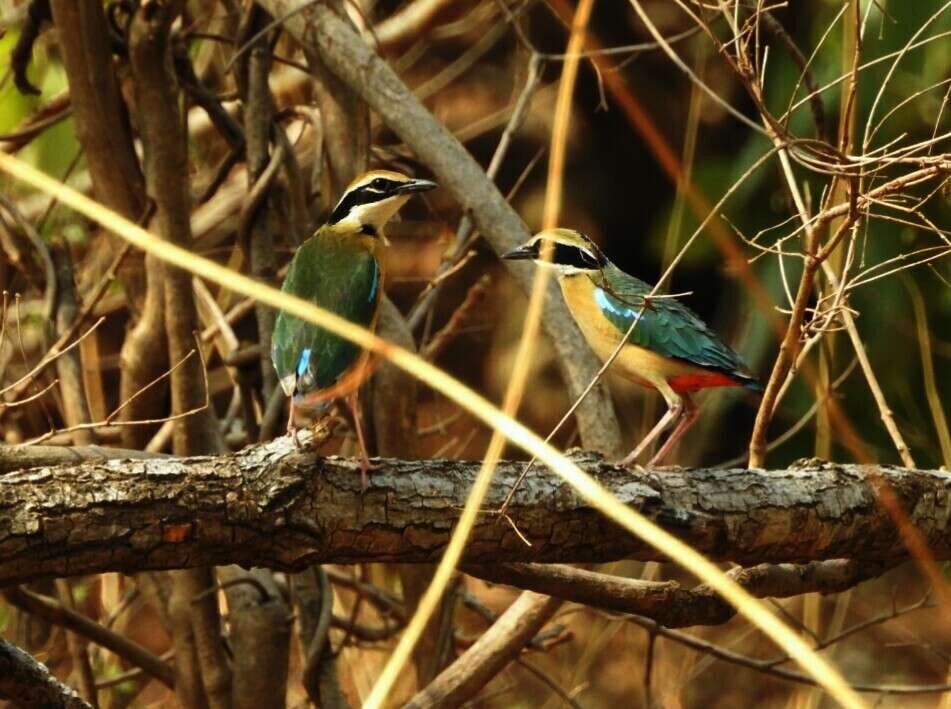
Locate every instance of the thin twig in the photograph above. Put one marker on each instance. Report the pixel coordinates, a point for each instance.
(548, 682)
(53, 612)
(110, 419)
(764, 667)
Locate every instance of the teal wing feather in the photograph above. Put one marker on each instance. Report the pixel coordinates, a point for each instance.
(341, 276)
(667, 326)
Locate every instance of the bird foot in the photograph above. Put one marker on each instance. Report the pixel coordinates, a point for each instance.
(630, 460)
(633, 465)
(365, 467)
(320, 431)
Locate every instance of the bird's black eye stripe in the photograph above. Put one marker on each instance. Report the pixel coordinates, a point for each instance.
(568, 255)
(373, 191)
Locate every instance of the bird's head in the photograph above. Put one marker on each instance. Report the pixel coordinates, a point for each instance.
(373, 198)
(565, 250)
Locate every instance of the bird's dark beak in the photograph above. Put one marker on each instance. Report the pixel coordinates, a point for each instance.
(525, 252)
(416, 186)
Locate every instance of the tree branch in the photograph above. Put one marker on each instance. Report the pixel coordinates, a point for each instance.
(196, 626)
(490, 654)
(274, 506)
(57, 614)
(102, 125)
(669, 603)
(767, 666)
(20, 458)
(26, 682)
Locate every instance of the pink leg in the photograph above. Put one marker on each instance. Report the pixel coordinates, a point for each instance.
(673, 413)
(353, 402)
(690, 414)
(291, 428)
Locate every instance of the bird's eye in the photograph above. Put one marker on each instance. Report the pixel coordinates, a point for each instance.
(588, 259)
(379, 183)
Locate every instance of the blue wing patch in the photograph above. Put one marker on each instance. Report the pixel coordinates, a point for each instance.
(303, 362)
(374, 287)
(614, 308)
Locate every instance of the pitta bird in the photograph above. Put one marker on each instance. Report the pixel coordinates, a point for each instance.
(671, 349)
(339, 268)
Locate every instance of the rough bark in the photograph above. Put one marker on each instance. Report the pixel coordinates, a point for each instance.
(26, 682)
(274, 506)
(342, 51)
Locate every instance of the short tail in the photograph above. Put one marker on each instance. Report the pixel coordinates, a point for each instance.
(751, 383)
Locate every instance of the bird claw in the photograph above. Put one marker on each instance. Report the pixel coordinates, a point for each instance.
(320, 431)
(633, 465)
(630, 460)
(365, 467)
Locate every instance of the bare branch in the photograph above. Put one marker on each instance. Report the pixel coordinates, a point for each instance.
(277, 507)
(766, 666)
(26, 682)
(669, 603)
(490, 654)
(56, 613)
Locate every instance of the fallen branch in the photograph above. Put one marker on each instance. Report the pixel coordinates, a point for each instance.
(277, 507)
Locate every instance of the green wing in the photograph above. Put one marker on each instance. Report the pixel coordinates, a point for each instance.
(666, 326)
(340, 275)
